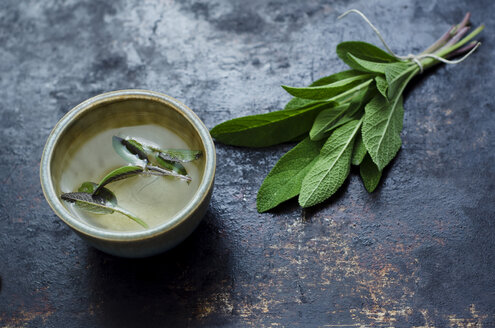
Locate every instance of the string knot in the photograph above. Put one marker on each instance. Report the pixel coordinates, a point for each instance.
(410, 57)
(413, 58)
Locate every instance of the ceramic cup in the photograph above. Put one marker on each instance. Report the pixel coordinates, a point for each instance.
(110, 109)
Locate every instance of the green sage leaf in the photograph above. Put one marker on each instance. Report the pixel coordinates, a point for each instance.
(332, 167)
(370, 174)
(327, 91)
(285, 179)
(296, 102)
(363, 51)
(336, 77)
(381, 85)
(368, 66)
(299, 138)
(359, 99)
(325, 119)
(354, 111)
(267, 129)
(381, 129)
(359, 150)
(398, 75)
(299, 103)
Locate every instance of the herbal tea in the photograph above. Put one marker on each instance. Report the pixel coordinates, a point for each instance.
(124, 177)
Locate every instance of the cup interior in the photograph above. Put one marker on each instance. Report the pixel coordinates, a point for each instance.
(113, 113)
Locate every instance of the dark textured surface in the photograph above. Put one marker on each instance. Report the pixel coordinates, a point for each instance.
(420, 251)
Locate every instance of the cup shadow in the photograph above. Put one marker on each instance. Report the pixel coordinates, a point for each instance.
(176, 288)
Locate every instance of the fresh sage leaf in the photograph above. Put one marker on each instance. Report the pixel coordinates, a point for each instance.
(359, 99)
(267, 129)
(332, 167)
(346, 118)
(367, 66)
(325, 119)
(370, 174)
(299, 138)
(299, 103)
(363, 51)
(383, 118)
(118, 174)
(296, 102)
(327, 91)
(344, 75)
(381, 129)
(381, 85)
(356, 107)
(398, 75)
(285, 179)
(359, 150)
(104, 202)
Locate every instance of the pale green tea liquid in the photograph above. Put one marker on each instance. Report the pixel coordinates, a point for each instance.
(154, 199)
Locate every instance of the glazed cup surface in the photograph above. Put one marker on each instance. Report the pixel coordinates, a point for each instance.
(115, 109)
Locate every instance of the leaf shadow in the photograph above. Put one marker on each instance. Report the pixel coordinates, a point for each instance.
(286, 207)
(385, 174)
(171, 289)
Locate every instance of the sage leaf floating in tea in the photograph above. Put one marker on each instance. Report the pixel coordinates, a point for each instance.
(356, 115)
(118, 174)
(157, 170)
(179, 155)
(129, 151)
(169, 164)
(154, 160)
(104, 202)
(143, 159)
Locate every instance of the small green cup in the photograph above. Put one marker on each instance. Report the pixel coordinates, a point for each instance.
(100, 110)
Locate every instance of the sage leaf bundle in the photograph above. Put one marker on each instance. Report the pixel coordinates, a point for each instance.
(349, 118)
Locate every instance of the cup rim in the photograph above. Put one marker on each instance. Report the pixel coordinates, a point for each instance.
(86, 229)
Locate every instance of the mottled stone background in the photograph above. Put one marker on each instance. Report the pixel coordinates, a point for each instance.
(419, 252)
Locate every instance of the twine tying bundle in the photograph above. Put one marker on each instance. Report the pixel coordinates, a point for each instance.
(410, 57)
